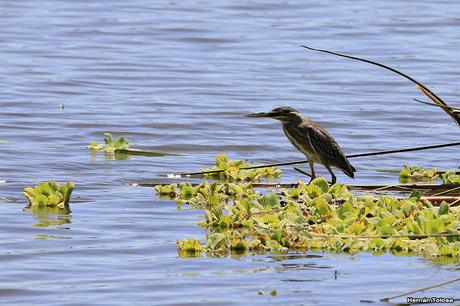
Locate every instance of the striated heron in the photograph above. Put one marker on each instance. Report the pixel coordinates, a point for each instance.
(311, 139)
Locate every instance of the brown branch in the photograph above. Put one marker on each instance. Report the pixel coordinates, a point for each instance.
(436, 146)
(455, 114)
(421, 289)
(422, 236)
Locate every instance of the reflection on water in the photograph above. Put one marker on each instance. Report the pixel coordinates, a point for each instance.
(50, 216)
(109, 156)
(303, 266)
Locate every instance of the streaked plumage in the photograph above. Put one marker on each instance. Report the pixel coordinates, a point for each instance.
(312, 140)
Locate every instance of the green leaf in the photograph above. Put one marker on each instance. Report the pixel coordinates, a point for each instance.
(189, 245)
(215, 241)
(443, 208)
(322, 183)
(322, 207)
(49, 194)
(416, 173)
(450, 177)
(434, 226)
(313, 191)
(238, 244)
(345, 210)
(385, 229)
(356, 229)
(225, 221)
(270, 219)
(269, 200)
(222, 161)
(415, 195)
(447, 250)
(166, 189)
(108, 138)
(376, 244)
(339, 191)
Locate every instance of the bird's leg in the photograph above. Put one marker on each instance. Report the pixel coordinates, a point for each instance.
(334, 179)
(313, 175)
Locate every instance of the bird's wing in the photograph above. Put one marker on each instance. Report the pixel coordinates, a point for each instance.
(455, 114)
(326, 147)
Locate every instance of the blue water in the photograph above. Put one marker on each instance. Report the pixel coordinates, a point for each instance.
(178, 77)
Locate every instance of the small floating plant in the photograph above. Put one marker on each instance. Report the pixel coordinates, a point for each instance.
(420, 174)
(49, 196)
(318, 216)
(233, 170)
(121, 145)
(450, 177)
(417, 174)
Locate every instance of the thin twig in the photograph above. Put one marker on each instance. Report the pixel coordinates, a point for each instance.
(433, 104)
(383, 188)
(439, 200)
(301, 171)
(446, 191)
(436, 146)
(454, 203)
(405, 187)
(421, 289)
(455, 114)
(383, 170)
(385, 236)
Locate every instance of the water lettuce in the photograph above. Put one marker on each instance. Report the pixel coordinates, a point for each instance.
(120, 145)
(49, 194)
(318, 216)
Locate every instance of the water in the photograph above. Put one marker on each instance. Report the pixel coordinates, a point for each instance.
(178, 77)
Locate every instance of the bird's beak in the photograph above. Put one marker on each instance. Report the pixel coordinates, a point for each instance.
(258, 115)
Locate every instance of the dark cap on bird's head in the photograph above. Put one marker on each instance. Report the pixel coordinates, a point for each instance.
(284, 113)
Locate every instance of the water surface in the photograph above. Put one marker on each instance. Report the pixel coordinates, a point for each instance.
(178, 77)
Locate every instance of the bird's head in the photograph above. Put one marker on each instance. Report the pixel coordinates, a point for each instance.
(284, 114)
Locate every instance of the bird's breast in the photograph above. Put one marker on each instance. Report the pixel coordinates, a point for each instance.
(299, 139)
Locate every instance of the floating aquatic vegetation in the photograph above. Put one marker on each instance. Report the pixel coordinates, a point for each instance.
(49, 195)
(417, 174)
(206, 194)
(450, 177)
(232, 170)
(120, 145)
(110, 145)
(189, 247)
(317, 216)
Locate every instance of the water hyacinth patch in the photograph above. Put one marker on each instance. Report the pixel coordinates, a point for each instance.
(49, 195)
(318, 216)
(206, 194)
(417, 174)
(121, 145)
(232, 170)
(450, 177)
(110, 145)
(189, 247)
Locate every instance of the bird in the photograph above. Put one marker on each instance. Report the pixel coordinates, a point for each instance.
(311, 139)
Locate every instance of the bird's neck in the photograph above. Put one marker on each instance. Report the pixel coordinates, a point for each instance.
(294, 120)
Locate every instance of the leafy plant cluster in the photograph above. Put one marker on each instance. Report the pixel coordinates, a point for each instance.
(49, 195)
(232, 170)
(450, 177)
(314, 216)
(417, 174)
(110, 145)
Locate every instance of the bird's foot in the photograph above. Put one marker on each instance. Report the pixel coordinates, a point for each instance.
(334, 180)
